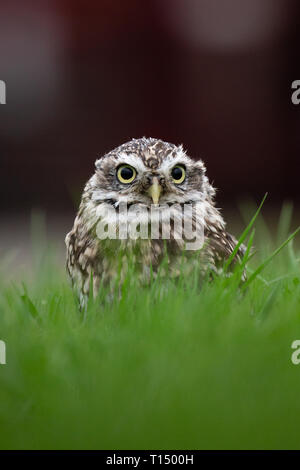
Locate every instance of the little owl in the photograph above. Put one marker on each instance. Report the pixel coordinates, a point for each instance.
(145, 173)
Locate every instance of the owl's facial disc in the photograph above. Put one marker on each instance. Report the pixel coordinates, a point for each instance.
(149, 171)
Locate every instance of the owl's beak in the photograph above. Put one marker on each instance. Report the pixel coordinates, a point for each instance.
(155, 190)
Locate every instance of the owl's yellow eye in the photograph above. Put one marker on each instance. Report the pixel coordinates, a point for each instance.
(178, 174)
(126, 174)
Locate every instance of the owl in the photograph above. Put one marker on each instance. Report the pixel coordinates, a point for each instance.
(146, 183)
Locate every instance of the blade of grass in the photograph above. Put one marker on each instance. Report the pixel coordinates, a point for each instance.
(262, 229)
(269, 303)
(239, 271)
(244, 234)
(269, 258)
(31, 308)
(248, 253)
(262, 279)
(285, 219)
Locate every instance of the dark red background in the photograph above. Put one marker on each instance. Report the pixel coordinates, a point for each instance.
(84, 77)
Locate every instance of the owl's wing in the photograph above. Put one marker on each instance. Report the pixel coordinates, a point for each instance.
(222, 244)
(83, 262)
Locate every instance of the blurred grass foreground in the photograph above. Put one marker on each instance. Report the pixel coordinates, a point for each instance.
(166, 367)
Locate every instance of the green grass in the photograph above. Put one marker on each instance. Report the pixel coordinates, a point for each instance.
(166, 367)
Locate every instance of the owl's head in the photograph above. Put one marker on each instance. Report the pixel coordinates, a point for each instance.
(149, 171)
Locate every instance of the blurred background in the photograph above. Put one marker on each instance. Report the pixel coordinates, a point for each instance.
(84, 77)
